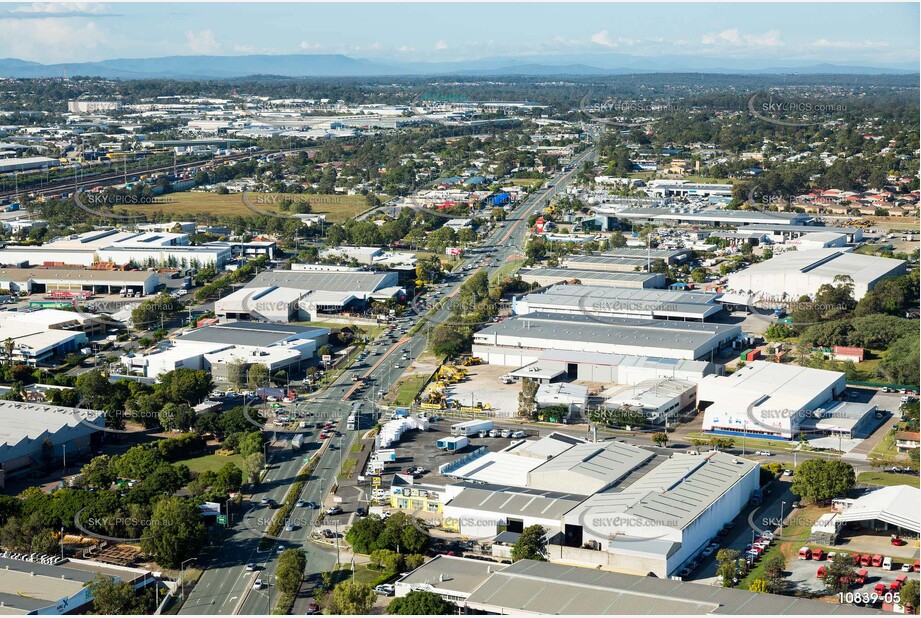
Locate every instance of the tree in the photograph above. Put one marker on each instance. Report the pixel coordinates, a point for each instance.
(840, 573)
(727, 566)
(189, 386)
(175, 417)
(114, 598)
(908, 595)
(258, 375)
(774, 573)
(448, 341)
(291, 565)
(98, 473)
(387, 560)
(526, 398)
(94, 389)
(660, 438)
(250, 442)
(352, 599)
(421, 603)
(820, 480)
(759, 585)
(253, 465)
(175, 533)
(236, 374)
(531, 545)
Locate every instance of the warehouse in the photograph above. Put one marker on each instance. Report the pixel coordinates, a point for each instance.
(604, 504)
(219, 347)
(289, 295)
(521, 340)
(610, 263)
(794, 274)
(40, 340)
(24, 428)
(818, 240)
(119, 247)
(67, 279)
(550, 276)
(533, 587)
(892, 509)
(480, 510)
(25, 164)
(782, 233)
(659, 521)
(33, 588)
(609, 216)
(555, 365)
(658, 399)
(767, 399)
(606, 302)
(571, 397)
(669, 256)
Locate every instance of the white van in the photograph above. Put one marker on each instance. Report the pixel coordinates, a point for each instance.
(887, 563)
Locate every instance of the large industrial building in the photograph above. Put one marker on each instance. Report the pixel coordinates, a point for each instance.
(40, 339)
(30, 588)
(794, 274)
(778, 401)
(606, 302)
(24, 427)
(521, 340)
(117, 247)
(550, 276)
(608, 216)
(289, 295)
(606, 505)
(557, 365)
(34, 280)
(219, 347)
(529, 587)
(610, 263)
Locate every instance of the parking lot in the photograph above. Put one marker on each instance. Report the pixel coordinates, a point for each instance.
(802, 577)
(484, 384)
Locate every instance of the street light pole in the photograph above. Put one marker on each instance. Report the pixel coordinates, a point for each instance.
(182, 577)
(782, 504)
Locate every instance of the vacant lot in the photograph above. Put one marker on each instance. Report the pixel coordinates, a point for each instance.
(887, 478)
(211, 462)
(337, 208)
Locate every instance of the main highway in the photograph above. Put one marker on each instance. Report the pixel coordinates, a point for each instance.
(226, 587)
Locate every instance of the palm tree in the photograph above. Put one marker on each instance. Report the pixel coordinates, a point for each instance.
(8, 345)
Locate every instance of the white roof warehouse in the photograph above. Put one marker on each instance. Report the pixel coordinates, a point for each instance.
(518, 341)
(797, 273)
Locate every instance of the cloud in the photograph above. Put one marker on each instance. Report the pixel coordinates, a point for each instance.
(441, 46)
(202, 42)
(244, 49)
(46, 10)
(307, 45)
(845, 44)
(602, 38)
(405, 49)
(49, 40)
(732, 37)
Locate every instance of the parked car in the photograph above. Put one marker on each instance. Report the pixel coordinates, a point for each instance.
(385, 589)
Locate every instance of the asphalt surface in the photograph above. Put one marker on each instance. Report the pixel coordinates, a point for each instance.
(226, 587)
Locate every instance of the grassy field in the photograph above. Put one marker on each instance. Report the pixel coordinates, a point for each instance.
(408, 389)
(886, 448)
(753, 444)
(337, 208)
(211, 462)
(886, 478)
(528, 182)
(348, 466)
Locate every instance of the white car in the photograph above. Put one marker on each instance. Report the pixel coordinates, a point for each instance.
(763, 453)
(385, 589)
(257, 585)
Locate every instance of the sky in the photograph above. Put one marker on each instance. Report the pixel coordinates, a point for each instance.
(868, 34)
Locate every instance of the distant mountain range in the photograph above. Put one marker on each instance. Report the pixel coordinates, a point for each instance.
(335, 65)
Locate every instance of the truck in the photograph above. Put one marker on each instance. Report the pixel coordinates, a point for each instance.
(470, 428)
(452, 443)
(297, 442)
(757, 497)
(384, 455)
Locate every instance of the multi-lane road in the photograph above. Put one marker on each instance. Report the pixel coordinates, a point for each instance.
(226, 587)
